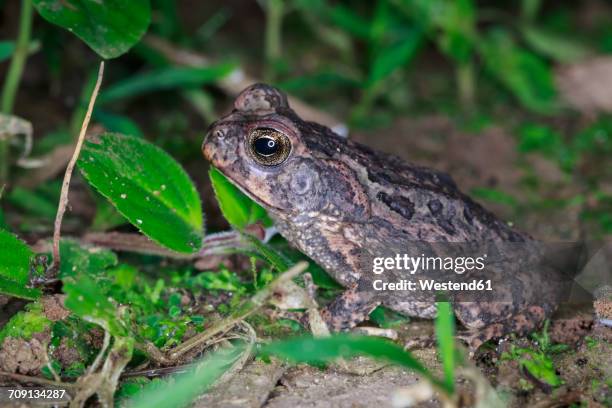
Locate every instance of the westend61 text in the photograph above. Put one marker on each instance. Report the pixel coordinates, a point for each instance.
(432, 285)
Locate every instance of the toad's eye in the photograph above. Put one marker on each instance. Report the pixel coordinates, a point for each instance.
(268, 147)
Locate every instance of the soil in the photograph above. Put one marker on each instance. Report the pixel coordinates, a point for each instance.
(25, 356)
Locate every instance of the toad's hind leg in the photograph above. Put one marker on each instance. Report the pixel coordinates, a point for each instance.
(349, 309)
(520, 322)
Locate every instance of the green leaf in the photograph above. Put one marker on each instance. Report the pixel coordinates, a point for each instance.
(524, 74)
(86, 299)
(238, 209)
(26, 323)
(387, 318)
(558, 47)
(547, 141)
(346, 19)
(451, 23)
(393, 57)
(118, 123)
(148, 188)
(270, 254)
(219, 280)
(596, 138)
(323, 350)
(15, 258)
(164, 78)
(536, 137)
(12, 288)
(445, 331)
(537, 363)
(106, 216)
(77, 259)
(181, 389)
(109, 27)
(33, 202)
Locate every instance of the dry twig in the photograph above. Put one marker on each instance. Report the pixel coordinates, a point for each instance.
(61, 208)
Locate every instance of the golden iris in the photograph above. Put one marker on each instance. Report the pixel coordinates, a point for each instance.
(268, 147)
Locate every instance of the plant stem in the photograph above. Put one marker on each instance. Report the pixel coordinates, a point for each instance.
(466, 83)
(274, 21)
(12, 80)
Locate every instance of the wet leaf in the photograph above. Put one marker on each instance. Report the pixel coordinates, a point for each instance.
(148, 187)
(15, 258)
(238, 209)
(110, 27)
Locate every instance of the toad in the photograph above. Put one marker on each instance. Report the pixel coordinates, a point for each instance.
(335, 200)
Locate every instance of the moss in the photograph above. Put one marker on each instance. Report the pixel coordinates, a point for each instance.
(26, 323)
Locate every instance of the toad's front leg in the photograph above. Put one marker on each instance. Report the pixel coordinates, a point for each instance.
(349, 309)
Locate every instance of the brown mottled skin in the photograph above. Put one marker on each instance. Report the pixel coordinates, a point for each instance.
(334, 198)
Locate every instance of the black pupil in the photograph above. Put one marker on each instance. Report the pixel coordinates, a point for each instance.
(265, 146)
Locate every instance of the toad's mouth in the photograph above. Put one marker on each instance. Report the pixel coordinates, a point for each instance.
(248, 193)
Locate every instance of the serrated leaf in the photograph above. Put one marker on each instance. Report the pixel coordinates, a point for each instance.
(15, 258)
(109, 27)
(148, 187)
(238, 209)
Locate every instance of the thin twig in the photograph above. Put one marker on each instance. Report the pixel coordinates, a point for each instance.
(61, 209)
(35, 380)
